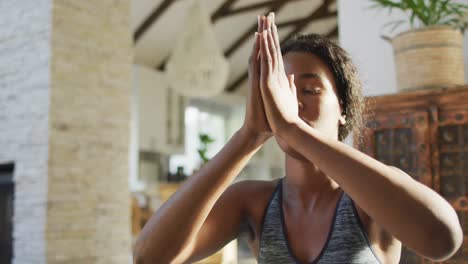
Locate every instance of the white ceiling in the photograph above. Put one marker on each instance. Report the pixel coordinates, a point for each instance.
(154, 46)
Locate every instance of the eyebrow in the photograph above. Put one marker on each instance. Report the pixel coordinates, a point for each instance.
(309, 76)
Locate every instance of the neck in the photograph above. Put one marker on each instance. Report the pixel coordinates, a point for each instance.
(305, 185)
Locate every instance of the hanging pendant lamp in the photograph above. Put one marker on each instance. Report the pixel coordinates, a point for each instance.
(197, 66)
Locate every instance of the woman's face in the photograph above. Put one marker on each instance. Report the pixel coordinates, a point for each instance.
(317, 95)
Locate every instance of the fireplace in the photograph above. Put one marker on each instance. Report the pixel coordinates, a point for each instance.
(6, 212)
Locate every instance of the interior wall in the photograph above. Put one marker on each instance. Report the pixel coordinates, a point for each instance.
(360, 30)
(88, 209)
(24, 106)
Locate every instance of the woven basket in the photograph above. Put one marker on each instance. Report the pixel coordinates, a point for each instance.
(427, 58)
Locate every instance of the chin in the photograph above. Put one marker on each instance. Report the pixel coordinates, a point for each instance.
(290, 151)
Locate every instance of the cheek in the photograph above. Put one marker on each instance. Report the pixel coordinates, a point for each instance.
(330, 106)
(323, 108)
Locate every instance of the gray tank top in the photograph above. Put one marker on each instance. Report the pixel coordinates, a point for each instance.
(346, 242)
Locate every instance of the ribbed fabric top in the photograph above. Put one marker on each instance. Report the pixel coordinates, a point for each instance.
(346, 243)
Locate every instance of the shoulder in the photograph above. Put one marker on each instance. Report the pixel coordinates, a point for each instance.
(253, 196)
(247, 186)
(245, 197)
(252, 191)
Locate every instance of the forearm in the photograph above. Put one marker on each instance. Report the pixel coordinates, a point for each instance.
(410, 211)
(178, 220)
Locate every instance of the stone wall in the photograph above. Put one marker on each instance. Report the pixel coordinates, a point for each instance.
(88, 217)
(65, 80)
(24, 106)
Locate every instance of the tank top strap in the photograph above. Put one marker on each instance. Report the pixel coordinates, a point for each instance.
(272, 243)
(346, 242)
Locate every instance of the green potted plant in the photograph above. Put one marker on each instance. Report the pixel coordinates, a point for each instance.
(168, 188)
(205, 140)
(430, 54)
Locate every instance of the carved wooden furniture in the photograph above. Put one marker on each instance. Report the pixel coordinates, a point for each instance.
(424, 133)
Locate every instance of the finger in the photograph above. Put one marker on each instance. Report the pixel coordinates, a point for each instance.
(279, 56)
(266, 55)
(253, 59)
(271, 44)
(292, 86)
(259, 23)
(264, 64)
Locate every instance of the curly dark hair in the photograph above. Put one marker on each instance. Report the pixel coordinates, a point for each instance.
(346, 77)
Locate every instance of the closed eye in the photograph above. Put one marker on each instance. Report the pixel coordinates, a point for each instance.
(314, 90)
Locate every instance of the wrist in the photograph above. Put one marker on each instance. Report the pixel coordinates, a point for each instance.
(251, 137)
(285, 126)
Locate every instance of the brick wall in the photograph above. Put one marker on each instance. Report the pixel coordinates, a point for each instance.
(88, 217)
(65, 79)
(24, 106)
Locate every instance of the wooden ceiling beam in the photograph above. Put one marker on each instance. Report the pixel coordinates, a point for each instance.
(222, 10)
(301, 20)
(318, 13)
(219, 13)
(333, 33)
(234, 85)
(275, 8)
(256, 6)
(249, 32)
(157, 12)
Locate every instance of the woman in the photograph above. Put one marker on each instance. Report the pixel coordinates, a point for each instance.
(335, 204)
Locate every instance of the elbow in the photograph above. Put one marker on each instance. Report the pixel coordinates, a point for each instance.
(142, 254)
(137, 253)
(446, 245)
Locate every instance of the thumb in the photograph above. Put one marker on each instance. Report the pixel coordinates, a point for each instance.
(292, 86)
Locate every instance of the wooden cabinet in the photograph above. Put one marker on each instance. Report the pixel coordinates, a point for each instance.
(424, 133)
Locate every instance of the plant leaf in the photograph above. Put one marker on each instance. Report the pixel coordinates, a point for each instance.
(393, 24)
(427, 12)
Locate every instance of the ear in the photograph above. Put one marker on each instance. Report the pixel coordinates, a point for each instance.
(342, 120)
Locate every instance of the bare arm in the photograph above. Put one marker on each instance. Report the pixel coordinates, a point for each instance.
(416, 215)
(202, 216)
(171, 233)
(407, 209)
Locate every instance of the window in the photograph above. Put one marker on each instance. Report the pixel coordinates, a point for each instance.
(201, 118)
